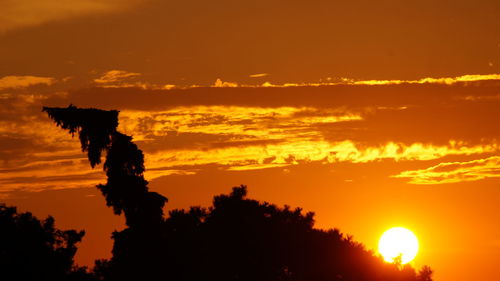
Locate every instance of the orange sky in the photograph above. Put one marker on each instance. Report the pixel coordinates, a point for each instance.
(372, 115)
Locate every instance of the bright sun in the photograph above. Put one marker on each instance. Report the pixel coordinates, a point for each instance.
(398, 241)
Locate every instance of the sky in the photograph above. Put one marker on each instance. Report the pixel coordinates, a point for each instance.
(371, 114)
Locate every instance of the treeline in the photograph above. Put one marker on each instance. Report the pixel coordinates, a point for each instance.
(234, 239)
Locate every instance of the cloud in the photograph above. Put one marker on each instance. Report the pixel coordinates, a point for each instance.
(17, 14)
(401, 113)
(241, 123)
(117, 78)
(463, 78)
(299, 150)
(430, 80)
(110, 79)
(50, 174)
(348, 81)
(258, 75)
(220, 84)
(184, 131)
(122, 79)
(16, 82)
(241, 138)
(451, 172)
(482, 98)
(257, 166)
(388, 95)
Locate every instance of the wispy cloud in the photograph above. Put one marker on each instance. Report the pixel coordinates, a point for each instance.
(238, 121)
(15, 82)
(243, 138)
(113, 76)
(117, 78)
(24, 13)
(258, 75)
(443, 80)
(222, 84)
(349, 81)
(302, 150)
(427, 80)
(482, 98)
(50, 174)
(451, 172)
(125, 79)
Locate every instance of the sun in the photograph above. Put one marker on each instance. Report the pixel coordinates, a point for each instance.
(398, 241)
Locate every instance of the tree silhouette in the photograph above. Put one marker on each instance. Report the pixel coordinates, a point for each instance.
(34, 250)
(425, 274)
(236, 239)
(126, 189)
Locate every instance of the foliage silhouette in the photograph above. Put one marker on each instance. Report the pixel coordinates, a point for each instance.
(33, 250)
(425, 274)
(234, 239)
(126, 189)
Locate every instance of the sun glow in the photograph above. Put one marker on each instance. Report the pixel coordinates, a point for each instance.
(398, 242)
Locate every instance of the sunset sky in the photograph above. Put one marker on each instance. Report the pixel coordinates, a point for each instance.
(372, 114)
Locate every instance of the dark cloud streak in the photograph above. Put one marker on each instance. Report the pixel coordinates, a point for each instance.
(353, 96)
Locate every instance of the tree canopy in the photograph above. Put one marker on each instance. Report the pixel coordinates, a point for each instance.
(35, 250)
